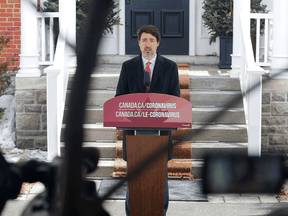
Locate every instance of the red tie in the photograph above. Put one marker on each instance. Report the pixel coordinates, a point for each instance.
(148, 68)
(149, 71)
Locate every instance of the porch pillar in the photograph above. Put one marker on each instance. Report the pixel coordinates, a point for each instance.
(280, 40)
(29, 56)
(67, 10)
(239, 6)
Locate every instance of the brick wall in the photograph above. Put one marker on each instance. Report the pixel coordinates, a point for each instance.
(10, 24)
(275, 116)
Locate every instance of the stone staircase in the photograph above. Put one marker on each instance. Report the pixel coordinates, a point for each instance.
(209, 89)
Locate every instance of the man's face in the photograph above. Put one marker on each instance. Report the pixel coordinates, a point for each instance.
(148, 45)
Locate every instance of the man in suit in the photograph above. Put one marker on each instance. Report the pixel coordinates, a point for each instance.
(164, 79)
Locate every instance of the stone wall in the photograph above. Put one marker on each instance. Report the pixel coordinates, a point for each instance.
(275, 116)
(31, 117)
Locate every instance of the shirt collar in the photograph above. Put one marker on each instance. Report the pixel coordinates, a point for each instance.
(146, 60)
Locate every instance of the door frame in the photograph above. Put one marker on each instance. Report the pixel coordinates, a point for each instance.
(192, 28)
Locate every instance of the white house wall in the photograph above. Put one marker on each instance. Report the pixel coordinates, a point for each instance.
(110, 42)
(202, 36)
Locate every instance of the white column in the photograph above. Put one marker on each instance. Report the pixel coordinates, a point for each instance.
(122, 28)
(192, 27)
(239, 6)
(67, 20)
(280, 39)
(71, 32)
(29, 56)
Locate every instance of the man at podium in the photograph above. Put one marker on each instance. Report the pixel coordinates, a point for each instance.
(164, 79)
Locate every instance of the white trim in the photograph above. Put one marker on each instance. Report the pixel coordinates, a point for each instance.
(47, 14)
(192, 27)
(261, 15)
(121, 34)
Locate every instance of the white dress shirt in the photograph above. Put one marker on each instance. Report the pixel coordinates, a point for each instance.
(153, 60)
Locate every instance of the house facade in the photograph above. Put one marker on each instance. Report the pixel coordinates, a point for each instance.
(180, 25)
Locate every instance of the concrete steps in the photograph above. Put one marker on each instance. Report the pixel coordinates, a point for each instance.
(198, 60)
(109, 81)
(209, 90)
(217, 132)
(105, 168)
(197, 98)
(199, 149)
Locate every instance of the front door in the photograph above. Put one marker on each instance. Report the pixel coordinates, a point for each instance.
(169, 16)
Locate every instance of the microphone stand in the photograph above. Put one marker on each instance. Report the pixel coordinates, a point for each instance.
(146, 80)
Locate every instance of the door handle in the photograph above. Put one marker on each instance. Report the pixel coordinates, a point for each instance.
(128, 1)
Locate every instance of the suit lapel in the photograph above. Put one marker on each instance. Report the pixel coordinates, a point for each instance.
(158, 71)
(138, 69)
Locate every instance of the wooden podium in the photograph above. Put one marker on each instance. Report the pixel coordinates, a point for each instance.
(147, 114)
(146, 192)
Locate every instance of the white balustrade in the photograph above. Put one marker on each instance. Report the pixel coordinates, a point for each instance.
(243, 6)
(58, 75)
(267, 38)
(251, 87)
(46, 44)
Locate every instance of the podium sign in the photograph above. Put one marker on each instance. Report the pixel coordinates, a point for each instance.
(147, 110)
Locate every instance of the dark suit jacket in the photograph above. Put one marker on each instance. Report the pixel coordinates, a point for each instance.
(165, 80)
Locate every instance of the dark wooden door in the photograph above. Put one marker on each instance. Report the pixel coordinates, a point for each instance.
(171, 17)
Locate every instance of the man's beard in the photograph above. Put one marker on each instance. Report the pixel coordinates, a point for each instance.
(148, 55)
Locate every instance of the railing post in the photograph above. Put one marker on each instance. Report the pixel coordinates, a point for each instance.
(57, 75)
(255, 111)
(53, 135)
(280, 39)
(239, 6)
(29, 57)
(251, 86)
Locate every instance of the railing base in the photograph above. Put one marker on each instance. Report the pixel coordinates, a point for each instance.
(279, 73)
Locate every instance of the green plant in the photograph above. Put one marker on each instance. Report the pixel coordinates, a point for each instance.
(4, 66)
(82, 8)
(218, 17)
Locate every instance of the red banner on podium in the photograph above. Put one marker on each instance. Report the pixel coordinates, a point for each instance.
(147, 110)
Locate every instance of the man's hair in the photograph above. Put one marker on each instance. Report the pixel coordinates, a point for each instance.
(151, 30)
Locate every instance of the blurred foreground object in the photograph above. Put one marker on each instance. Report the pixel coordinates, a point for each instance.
(242, 174)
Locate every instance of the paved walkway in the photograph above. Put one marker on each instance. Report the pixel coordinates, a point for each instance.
(218, 204)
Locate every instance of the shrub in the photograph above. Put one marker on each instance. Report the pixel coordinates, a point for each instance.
(82, 8)
(4, 66)
(218, 17)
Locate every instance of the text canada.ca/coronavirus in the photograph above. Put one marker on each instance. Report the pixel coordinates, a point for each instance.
(127, 105)
(148, 114)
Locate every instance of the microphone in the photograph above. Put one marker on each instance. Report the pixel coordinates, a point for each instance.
(146, 80)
